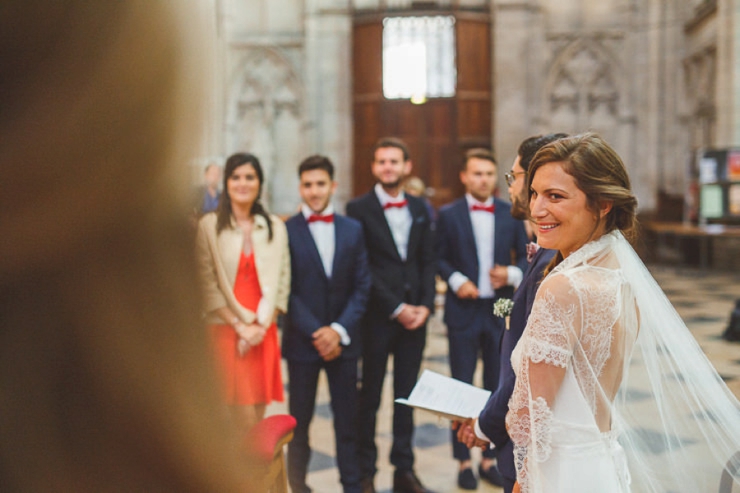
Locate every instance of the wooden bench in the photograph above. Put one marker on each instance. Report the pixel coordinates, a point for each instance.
(705, 235)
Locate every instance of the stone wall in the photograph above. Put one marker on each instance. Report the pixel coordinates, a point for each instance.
(656, 78)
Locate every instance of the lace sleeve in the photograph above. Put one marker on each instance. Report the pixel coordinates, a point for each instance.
(540, 361)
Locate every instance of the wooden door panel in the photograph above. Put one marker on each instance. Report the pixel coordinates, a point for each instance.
(474, 68)
(367, 59)
(437, 132)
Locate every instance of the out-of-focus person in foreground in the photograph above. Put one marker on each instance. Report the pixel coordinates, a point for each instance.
(105, 378)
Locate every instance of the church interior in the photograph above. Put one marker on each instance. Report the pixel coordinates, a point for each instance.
(109, 143)
(659, 80)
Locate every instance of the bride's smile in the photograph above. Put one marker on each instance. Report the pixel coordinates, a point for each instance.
(560, 211)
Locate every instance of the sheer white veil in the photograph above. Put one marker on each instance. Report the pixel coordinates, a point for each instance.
(677, 421)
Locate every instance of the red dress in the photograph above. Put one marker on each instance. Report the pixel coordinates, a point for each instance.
(254, 378)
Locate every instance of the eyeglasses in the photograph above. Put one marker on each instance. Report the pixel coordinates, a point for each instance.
(511, 176)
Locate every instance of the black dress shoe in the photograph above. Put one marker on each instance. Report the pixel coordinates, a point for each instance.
(466, 479)
(492, 475)
(367, 485)
(407, 482)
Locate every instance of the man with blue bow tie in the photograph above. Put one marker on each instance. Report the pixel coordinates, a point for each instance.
(482, 255)
(329, 290)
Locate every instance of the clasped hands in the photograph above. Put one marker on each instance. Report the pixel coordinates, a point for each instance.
(413, 316)
(249, 335)
(327, 343)
(466, 434)
(498, 275)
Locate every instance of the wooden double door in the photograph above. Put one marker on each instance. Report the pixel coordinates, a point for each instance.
(439, 131)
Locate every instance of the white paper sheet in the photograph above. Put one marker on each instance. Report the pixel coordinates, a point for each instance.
(446, 397)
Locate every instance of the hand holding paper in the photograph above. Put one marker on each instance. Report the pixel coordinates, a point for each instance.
(446, 397)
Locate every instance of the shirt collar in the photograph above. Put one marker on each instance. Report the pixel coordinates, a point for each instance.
(384, 198)
(472, 201)
(308, 212)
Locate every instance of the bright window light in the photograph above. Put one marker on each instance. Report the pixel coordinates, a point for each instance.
(419, 57)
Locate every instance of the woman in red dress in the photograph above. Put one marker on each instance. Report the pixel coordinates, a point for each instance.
(245, 270)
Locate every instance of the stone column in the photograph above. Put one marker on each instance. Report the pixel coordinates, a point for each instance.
(511, 29)
(728, 73)
(328, 79)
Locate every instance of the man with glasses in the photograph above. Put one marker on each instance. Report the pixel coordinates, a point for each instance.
(482, 251)
(490, 427)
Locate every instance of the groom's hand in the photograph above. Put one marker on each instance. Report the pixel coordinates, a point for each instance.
(466, 435)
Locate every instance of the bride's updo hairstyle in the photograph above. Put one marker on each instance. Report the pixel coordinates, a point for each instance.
(599, 173)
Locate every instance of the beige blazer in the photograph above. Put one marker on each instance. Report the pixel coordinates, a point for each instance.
(218, 262)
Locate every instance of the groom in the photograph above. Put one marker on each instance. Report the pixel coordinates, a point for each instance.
(490, 427)
(476, 238)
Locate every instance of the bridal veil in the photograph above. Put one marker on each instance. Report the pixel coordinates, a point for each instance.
(635, 384)
(678, 422)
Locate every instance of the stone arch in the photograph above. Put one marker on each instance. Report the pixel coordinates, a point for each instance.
(265, 116)
(584, 89)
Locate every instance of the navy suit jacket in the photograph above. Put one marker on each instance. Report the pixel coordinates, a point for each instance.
(457, 251)
(394, 280)
(317, 301)
(492, 418)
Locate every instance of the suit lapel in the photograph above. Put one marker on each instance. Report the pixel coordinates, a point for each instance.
(382, 227)
(416, 208)
(463, 215)
(311, 249)
(502, 236)
(339, 244)
(498, 232)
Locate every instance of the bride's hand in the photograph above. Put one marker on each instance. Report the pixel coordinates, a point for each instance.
(516, 489)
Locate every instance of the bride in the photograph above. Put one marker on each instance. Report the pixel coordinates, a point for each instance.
(613, 394)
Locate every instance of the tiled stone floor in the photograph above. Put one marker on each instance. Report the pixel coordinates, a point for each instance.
(704, 301)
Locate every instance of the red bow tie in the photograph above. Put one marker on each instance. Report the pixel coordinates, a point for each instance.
(329, 218)
(402, 203)
(487, 208)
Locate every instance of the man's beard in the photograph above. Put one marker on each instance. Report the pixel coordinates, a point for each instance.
(393, 184)
(519, 209)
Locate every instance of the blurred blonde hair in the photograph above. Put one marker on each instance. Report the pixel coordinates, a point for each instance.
(105, 380)
(415, 186)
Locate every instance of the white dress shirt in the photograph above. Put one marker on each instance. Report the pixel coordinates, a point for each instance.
(324, 236)
(399, 220)
(483, 231)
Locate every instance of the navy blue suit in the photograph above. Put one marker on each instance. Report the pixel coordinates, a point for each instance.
(318, 301)
(492, 418)
(471, 327)
(395, 281)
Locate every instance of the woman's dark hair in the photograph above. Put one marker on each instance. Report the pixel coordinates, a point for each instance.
(529, 147)
(599, 173)
(224, 211)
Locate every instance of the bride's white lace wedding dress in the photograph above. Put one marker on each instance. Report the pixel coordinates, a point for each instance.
(612, 391)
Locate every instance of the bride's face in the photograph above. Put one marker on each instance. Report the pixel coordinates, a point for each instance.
(559, 211)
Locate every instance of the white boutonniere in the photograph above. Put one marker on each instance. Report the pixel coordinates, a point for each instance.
(503, 307)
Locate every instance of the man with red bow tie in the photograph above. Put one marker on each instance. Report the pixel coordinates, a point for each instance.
(400, 248)
(483, 253)
(330, 283)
